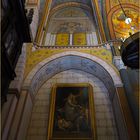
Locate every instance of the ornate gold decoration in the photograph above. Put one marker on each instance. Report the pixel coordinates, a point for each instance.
(122, 29)
(33, 58)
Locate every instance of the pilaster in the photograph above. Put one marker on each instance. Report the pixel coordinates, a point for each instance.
(16, 84)
(95, 6)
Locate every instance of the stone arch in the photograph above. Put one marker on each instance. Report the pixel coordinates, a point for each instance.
(72, 60)
(69, 4)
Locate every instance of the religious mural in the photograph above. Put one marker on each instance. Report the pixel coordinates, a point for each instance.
(123, 29)
(79, 39)
(117, 13)
(72, 112)
(62, 39)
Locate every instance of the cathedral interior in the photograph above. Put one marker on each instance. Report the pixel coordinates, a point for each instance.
(70, 69)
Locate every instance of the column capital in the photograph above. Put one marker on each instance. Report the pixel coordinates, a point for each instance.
(117, 60)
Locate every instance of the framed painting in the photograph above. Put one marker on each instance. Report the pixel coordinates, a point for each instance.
(72, 115)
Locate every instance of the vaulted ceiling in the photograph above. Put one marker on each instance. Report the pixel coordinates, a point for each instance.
(57, 2)
(116, 17)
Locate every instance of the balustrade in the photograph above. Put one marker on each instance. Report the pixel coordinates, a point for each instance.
(111, 45)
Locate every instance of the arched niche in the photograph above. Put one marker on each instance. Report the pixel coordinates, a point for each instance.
(67, 19)
(72, 60)
(72, 14)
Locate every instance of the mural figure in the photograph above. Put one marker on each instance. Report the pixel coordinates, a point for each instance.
(72, 116)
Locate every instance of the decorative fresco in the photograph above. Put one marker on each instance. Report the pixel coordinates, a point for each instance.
(37, 56)
(71, 19)
(116, 18)
(72, 12)
(116, 2)
(62, 39)
(71, 27)
(121, 28)
(57, 2)
(71, 113)
(79, 39)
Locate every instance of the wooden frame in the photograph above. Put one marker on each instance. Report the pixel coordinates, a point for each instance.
(67, 123)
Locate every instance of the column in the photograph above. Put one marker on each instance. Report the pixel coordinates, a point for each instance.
(8, 112)
(96, 10)
(95, 40)
(71, 39)
(113, 49)
(16, 84)
(129, 108)
(130, 94)
(108, 47)
(21, 118)
(51, 40)
(88, 39)
(117, 61)
(43, 21)
(91, 39)
(47, 39)
(54, 37)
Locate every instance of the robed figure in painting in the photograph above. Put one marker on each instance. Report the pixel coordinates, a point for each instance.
(72, 116)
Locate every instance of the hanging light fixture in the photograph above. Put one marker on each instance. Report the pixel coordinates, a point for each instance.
(130, 47)
(128, 20)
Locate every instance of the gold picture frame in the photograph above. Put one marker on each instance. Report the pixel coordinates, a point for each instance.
(72, 114)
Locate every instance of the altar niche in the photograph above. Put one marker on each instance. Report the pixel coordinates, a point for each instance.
(72, 115)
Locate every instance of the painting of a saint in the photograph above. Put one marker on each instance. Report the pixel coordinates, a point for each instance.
(72, 114)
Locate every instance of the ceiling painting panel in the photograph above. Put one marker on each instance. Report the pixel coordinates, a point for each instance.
(123, 29)
(72, 12)
(116, 2)
(58, 2)
(117, 14)
(70, 20)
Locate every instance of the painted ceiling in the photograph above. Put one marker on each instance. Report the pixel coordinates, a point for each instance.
(71, 19)
(72, 12)
(116, 2)
(116, 17)
(57, 2)
(121, 28)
